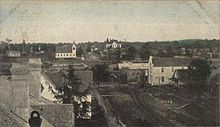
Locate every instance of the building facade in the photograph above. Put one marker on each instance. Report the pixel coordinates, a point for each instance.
(158, 71)
(113, 44)
(66, 51)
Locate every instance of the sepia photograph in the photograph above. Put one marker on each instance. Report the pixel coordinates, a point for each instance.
(109, 63)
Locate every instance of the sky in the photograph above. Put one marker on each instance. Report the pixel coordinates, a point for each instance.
(82, 21)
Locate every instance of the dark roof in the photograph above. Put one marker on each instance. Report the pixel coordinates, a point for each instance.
(169, 62)
(85, 76)
(64, 48)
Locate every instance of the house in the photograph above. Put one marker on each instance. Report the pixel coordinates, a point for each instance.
(13, 53)
(66, 51)
(158, 70)
(113, 44)
(161, 69)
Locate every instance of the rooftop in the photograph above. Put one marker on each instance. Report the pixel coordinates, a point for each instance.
(169, 62)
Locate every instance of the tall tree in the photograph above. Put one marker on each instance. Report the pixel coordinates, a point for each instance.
(88, 48)
(131, 53)
(69, 87)
(199, 72)
(79, 52)
(100, 73)
(145, 51)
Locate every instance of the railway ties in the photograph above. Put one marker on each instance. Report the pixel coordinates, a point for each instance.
(151, 115)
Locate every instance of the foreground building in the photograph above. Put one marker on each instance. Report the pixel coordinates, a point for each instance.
(158, 71)
(67, 51)
(20, 94)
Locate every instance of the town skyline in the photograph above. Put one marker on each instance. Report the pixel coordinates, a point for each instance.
(143, 21)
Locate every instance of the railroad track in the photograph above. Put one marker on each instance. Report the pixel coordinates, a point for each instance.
(152, 116)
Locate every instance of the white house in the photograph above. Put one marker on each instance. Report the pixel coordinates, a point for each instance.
(162, 69)
(13, 53)
(66, 51)
(113, 44)
(158, 71)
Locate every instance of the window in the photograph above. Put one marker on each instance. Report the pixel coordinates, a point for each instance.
(66, 54)
(162, 69)
(57, 54)
(162, 78)
(172, 69)
(74, 48)
(61, 55)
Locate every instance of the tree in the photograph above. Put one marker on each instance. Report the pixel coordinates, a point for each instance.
(79, 52)
(130, 53)
(88, 48)
(199, 72)
(115, 55)
(170, 51)
(69, 87)
(214, 84)
(100, 73)
(145, 51)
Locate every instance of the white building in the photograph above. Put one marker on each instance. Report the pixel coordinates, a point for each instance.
(161, 69)
(66, 51)
(113, 44)
(158, 71)
(13, 53)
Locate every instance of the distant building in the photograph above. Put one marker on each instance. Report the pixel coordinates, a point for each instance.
(13, 53)
(158, 70)
(112, 44)
(66, 51)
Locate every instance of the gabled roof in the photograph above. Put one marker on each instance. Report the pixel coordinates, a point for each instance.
(170, 62)
(64, 48)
